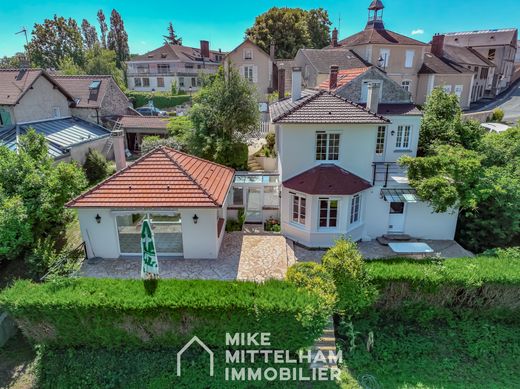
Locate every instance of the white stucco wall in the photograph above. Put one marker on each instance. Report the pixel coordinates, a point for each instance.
(391, 154)
(199, 240)
(101, 239)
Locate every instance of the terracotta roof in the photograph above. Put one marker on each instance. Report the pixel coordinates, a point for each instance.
(78, 87)
(327, 179)
(436, 65)
(322, 107)
(14, 84)
(322, 59)
(378, 36)
(155, 122)
(169, 52)
(163, 178)
(344, 77)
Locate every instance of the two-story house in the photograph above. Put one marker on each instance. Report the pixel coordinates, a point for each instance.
(181, 65)
(337, 166)
(398, 55)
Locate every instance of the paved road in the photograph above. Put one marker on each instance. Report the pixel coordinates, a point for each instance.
(510, 103)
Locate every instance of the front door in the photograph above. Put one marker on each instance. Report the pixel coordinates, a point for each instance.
(254, 205)
(396, 217)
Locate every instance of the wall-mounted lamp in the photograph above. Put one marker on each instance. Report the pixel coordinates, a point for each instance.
(392, 132)
(195, 218)
(98, 218)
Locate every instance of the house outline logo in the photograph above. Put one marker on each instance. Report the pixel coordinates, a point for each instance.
(187, 346)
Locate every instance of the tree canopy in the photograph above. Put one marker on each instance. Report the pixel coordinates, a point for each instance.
(172, 38)
(117, 39)
(291, 29)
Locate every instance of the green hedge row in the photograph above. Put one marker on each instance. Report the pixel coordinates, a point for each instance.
(111, 313)
(483, 282)
(160, 99)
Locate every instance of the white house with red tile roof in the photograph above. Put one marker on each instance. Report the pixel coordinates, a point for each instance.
(184, 197)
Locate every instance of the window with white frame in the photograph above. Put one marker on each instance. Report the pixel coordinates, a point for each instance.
(238, 195)
(146, 81)
(408, 61)
(137, 82)
(355, 209)
(299, 204)
(160, 82)
(458, 90)
(446, 88)
(327, 146)
(328, 217)
(402, 140)
(406, 84)
(181, 82)
(384, 55)
(248, 54)
(248, 72)
(380, 141)
(163, 68)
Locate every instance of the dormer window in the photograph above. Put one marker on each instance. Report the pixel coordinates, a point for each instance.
(248, 54)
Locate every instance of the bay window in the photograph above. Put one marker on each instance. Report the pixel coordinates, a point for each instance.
(355, 208)
(328, 217)
(299, 204)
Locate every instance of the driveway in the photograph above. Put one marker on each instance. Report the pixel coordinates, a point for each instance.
(243, 256)
(510, 103)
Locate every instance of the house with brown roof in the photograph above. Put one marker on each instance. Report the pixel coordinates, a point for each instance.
(181, 65)
(137, 127)
(184, 197)
(337, 161)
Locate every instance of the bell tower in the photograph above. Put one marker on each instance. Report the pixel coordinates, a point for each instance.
(375, 15)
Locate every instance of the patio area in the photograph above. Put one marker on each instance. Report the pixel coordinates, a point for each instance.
(252, 255)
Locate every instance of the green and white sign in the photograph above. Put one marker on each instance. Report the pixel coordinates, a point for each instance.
(150, 264)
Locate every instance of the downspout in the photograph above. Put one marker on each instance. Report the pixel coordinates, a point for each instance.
(97, 115)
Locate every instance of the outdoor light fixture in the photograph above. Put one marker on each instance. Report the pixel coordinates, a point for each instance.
(195, 218)
(392, 132)
(98, 218)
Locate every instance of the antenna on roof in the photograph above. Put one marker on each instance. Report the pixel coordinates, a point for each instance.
(24, 31)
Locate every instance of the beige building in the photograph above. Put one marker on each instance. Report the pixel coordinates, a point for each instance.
(398, 55)
(498, 46)
(255, 65)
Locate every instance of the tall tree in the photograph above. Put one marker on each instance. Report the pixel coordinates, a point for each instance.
(103, 28)
(291, 29)
(117, 39)
(55, 39)
(103, 61)
(90, 37)
(172, 38)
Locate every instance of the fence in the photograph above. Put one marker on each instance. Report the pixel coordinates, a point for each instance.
(69, 263)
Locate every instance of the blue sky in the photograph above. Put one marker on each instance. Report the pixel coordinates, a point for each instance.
(223, 22)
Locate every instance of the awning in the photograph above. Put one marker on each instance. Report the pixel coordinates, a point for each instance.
(400, 195)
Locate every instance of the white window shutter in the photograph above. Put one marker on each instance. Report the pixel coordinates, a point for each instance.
(255, 74)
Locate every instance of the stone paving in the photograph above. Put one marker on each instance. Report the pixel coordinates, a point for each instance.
(254, 256)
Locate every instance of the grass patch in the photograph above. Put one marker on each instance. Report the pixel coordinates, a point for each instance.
(456, 353)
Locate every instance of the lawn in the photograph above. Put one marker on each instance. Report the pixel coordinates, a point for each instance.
(17, 364)
(456, 353)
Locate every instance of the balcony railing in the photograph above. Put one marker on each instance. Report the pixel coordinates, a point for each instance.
(389, 174)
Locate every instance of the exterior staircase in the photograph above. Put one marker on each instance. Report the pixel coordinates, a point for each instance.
(253, 165)
(326, 343)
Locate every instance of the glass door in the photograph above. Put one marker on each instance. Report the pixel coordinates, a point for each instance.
(254, 205)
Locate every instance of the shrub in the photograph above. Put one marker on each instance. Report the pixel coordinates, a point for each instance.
(272, 225)
(160, 99)
(270, 138)
(113, 312)
(153, 141)
(15, 231)
(345, 263)
(95, 166)
(43, 256)
(313, 276)
(497, 115)
(233, 225)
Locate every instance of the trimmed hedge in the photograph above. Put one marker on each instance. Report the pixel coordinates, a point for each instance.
(479, 283)
(160, 99)
(111, 313)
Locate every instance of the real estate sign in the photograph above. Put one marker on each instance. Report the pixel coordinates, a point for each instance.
(150, 264)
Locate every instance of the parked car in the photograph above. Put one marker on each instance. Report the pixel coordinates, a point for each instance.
(149, 111)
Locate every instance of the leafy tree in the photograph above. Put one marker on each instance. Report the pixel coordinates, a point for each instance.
(15, 231)
(68, 67)
(103, 28)
(172, 38)
(11, 62)
(54, 40)
(290, 29)
(117, 39)
(180, 128)
(224, 114)
(95, 166)
(153, 141)
(103, 61)
(442, 124)
(90, 37)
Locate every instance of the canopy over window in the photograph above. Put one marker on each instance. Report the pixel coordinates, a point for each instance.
(400, 195)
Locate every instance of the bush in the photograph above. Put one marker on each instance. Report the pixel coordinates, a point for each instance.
(498, 115)
(95, 166)
(272, 225)
(153, 141)
(160, 99)
(234, 155)
(43, 256)
(113, 312)
(15, 231)
(345, 263)
(313, 276)
(270, 138)
(233, 225)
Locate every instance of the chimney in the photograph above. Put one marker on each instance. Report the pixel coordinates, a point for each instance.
(281, 84)
(373, 96)
(204, 49)
(437, 48)
(296, 92)
(272, 50)
(334, 38)
(118, 140)
(333, 77)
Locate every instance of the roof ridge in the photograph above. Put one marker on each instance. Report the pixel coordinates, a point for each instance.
(358, 106)
(162, 148)
(299, 105)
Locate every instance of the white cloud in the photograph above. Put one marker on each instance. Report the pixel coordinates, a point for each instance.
(419, 31)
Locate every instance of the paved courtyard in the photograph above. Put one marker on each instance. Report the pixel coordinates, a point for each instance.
(254, 256)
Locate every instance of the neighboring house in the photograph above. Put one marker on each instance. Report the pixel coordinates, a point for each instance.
(137, 127)
(498, 46)
(182, 65)
(337, 166)
(316, 64)
(443, 72)
(255, 65)
(183, 196)
(33, 98)
(96, 98)
(398, 55)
